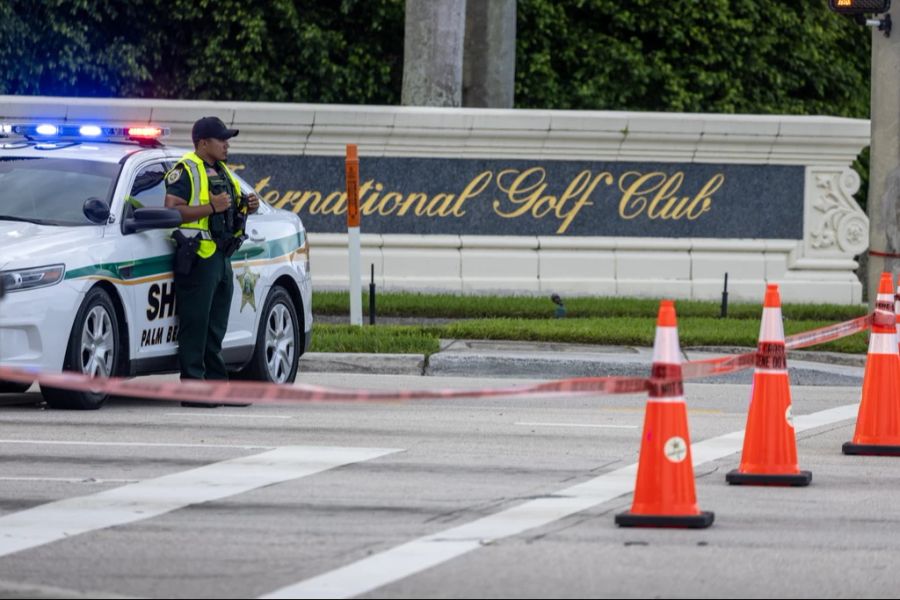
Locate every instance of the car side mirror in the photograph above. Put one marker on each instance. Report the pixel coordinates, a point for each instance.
(96, 210)
(152, 218)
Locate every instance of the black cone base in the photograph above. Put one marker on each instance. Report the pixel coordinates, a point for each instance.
(794, 479)
(627, 519)
(871, 449)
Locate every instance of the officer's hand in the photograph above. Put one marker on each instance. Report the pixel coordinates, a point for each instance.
(221, 202)
(252, 203)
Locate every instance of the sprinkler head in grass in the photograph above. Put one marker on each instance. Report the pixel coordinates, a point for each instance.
(560, 307)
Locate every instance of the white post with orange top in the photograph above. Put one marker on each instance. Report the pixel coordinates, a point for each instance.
(353, 243)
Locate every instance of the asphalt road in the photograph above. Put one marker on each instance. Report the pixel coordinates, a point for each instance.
(460, 498)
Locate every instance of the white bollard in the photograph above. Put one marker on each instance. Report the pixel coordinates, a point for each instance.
(353, 244)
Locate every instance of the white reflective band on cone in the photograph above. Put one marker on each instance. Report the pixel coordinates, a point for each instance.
(882, 316)
(886, 299)
(883, 343)
(665, 347)
(772, 328)
(672, 400)
(771, 371)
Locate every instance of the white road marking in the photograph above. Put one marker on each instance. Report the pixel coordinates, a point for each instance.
(131, 444)
(597, 425)
(429, 551)
(226, 415)
(69, 479)
(139, 501)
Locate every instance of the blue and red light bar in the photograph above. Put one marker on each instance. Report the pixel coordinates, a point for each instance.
(83, 132)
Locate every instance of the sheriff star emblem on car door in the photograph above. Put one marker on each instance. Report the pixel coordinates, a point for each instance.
(247, 282)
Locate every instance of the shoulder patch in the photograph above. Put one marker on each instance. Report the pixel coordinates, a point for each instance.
(174, 175)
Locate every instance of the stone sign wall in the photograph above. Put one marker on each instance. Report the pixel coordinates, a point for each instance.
(540, 201)
(537, 198)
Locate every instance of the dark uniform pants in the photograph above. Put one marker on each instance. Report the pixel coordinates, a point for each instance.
(203, 299)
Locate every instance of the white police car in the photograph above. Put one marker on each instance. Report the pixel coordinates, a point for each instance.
(86, 263)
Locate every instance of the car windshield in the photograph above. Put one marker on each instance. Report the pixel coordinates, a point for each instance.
(52, 191)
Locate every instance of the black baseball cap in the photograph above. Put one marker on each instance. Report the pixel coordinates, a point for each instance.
(211, 127)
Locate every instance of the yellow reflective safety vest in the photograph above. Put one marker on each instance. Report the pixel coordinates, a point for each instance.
(196, 170)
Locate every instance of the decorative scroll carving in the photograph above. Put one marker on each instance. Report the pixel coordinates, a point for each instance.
(836, 223)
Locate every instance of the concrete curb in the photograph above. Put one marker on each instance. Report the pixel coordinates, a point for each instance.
(561, 361)
(377, 364)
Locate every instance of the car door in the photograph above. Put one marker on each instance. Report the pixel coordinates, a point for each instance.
(153, 334)
(252, 279)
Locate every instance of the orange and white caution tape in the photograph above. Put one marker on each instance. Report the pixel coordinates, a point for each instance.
(218, 392)
(832, 332)
(728, 364)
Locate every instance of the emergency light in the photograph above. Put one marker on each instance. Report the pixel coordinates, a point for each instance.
(75, 132)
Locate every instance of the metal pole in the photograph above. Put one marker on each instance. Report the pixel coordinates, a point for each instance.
(372, 297)
(724, 312)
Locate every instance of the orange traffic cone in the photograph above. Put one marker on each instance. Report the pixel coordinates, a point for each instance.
(770, 444)
(664, 495)
(878, 423)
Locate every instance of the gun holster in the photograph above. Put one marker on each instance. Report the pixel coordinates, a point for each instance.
(231, 245)
(185, 253)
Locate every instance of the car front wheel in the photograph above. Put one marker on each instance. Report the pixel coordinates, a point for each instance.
(93, 349)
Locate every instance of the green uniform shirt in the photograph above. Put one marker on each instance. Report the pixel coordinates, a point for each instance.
(180, 186)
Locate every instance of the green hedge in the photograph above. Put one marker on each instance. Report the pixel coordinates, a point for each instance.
(745, 56)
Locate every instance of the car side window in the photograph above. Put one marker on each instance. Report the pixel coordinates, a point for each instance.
(148, 189)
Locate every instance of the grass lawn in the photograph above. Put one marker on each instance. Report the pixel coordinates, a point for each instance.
(612, 321)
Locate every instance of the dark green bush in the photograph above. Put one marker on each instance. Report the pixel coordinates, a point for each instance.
(730, 56)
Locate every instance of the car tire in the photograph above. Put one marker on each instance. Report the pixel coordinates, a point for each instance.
(13, 387)
(94, 348)
(278, 344)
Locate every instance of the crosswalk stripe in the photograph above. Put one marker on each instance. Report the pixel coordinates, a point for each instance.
(51, 522)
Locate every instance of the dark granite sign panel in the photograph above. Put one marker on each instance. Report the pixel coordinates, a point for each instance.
(527, 197)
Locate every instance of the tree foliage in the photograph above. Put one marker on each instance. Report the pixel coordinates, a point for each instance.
(282, 50)
(744, 56)
(729, 56)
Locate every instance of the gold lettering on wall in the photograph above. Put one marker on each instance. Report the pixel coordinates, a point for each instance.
(655, 196)
(520, 194)
(525, 191)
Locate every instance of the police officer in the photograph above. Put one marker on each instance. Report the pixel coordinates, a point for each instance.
(207, 195)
